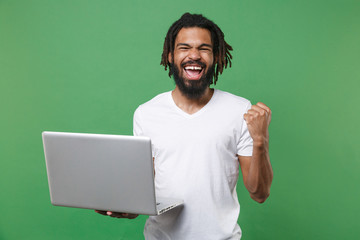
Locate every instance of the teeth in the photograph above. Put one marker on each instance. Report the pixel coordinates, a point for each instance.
(193, 68)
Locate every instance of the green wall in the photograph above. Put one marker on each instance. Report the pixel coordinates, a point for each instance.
(84, 66)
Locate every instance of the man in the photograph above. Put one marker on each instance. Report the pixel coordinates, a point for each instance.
(200, 136)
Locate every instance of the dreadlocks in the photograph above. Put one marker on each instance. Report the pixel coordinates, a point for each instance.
(221, 49)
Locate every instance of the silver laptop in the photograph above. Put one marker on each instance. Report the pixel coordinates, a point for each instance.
(103, 172)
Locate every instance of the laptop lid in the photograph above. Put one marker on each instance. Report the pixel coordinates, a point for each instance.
(100, 171)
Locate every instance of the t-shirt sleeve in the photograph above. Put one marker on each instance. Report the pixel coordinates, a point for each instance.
(137, 129)
(245, 142)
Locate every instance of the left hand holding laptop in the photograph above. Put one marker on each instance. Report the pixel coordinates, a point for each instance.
(117, 214)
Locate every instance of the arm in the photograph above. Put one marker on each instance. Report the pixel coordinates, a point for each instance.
(256, 170)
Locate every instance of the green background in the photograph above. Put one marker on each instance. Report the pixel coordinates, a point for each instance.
(84, 66)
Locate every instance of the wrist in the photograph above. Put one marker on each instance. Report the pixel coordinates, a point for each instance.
(260, 142)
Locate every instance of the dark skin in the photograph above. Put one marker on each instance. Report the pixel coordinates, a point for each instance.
(117, 214)
(195, 44)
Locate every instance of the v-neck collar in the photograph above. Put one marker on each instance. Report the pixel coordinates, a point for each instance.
(187, 115)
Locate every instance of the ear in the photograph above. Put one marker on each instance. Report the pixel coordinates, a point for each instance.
(169, 57)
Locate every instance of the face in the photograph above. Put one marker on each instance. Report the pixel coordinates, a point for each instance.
(193, 61)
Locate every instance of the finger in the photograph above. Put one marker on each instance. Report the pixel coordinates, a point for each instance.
(263, 106)
(117, 214)
(248, 117)
(101, 212)
(123, 215)
(132, 216)
(260, 110)
(252, 112)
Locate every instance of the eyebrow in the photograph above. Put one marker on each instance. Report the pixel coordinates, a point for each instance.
(188, 45)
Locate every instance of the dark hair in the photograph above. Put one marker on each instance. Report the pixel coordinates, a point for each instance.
(221, 49)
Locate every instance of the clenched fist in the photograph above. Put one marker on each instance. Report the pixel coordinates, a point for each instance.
(258, 120)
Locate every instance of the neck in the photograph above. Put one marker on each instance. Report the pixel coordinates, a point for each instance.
(189, 105)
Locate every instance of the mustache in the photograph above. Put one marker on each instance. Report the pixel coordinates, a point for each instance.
(201, 64)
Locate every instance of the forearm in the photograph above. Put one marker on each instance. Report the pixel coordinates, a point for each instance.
(260, 173)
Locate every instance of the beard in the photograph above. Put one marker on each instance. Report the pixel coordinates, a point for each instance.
(193, 89)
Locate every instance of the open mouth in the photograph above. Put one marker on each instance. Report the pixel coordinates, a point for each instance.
(193, 71)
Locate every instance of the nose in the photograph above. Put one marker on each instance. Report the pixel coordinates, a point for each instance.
(194, 54)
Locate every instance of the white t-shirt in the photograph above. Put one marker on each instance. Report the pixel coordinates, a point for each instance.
(196, 160)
